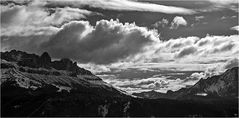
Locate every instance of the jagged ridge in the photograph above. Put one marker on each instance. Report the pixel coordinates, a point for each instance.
(43, 61)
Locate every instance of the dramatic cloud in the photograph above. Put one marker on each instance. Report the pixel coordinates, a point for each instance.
(107, 42)
(112, 42)
(124, 5)
(178, 21)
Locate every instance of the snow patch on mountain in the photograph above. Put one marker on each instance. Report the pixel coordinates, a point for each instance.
(60, 88)
(201, 94)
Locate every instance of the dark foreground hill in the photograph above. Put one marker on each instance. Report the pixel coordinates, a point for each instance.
(33, 85)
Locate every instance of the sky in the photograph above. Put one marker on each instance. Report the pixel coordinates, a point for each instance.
(135, 45)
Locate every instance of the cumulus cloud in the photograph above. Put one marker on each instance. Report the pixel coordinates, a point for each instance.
(194, 49)
(213, 70)
(124, 5)
(163, 23)
(235, 28)
(194, 77)
(107, 42)
(198, 75)
(178, 21)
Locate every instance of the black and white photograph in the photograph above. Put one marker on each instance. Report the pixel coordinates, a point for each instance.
(119, 58)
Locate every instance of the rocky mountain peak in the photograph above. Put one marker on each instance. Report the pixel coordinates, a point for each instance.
(43, 61)
(45, 57)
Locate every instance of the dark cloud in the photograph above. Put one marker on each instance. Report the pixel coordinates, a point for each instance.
(107, 42)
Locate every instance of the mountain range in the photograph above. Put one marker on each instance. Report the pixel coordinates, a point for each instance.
(33, 85)
(218, 86)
